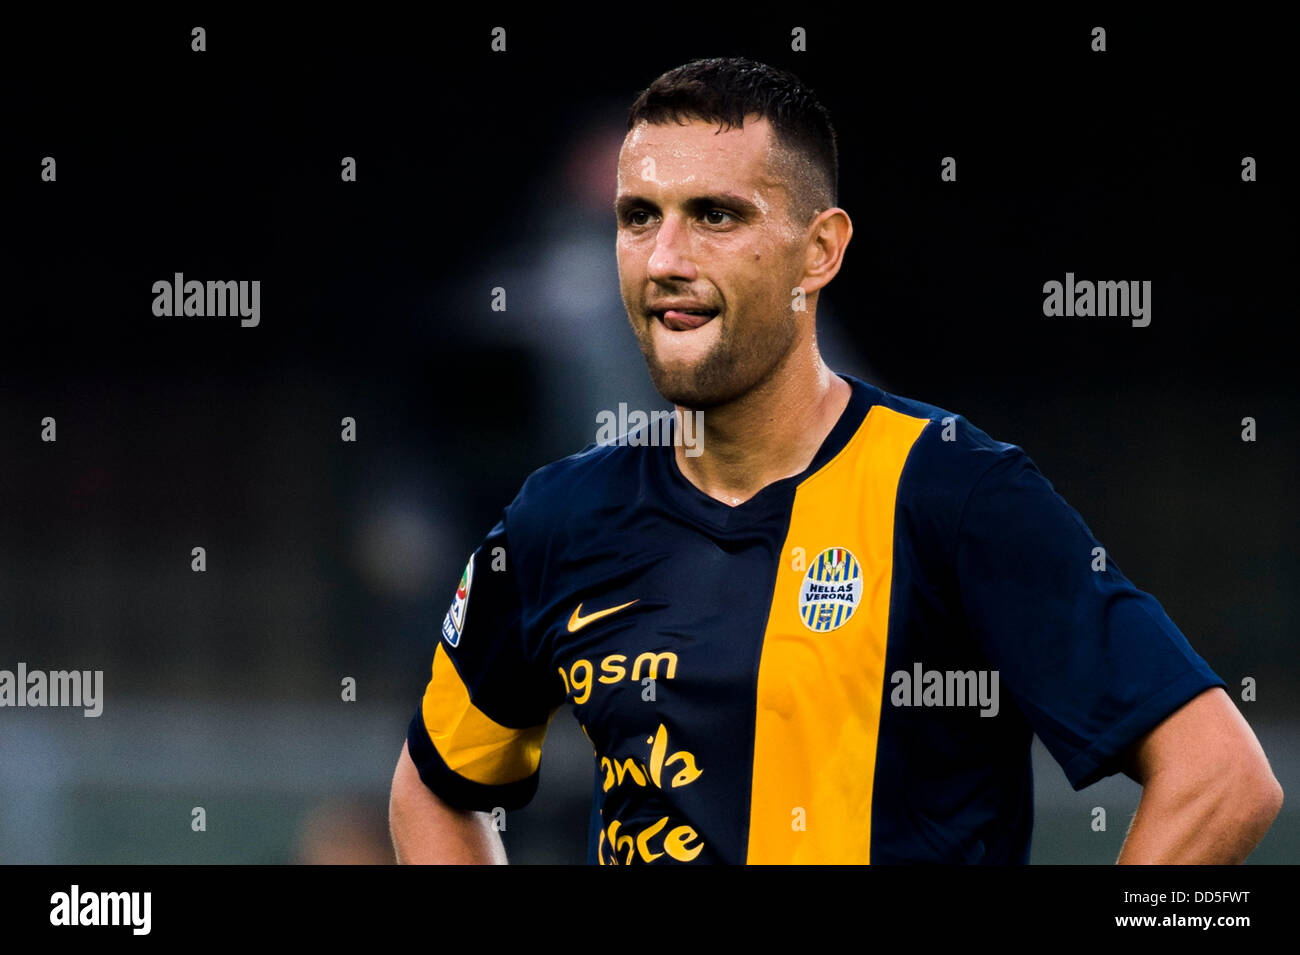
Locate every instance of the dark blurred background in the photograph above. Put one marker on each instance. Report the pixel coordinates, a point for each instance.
(478, 170)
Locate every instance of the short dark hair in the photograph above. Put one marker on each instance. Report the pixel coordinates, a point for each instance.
(725, 90)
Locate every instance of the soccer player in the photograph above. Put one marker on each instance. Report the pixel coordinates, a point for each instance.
(828, 631)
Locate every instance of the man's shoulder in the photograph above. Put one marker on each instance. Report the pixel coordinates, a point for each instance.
(947, 462)
(587, 480)
(950, 444)
(950, 456)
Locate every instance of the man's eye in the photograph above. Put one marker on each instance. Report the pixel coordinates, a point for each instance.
(638, 217)
(726, 217)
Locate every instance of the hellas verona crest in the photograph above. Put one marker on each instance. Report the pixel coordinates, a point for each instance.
(454, 622)
(831, 590)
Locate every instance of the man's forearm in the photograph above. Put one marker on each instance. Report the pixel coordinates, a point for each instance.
(426, 830)
(1214, 824)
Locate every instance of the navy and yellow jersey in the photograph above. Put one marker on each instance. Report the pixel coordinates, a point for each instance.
(847, 667)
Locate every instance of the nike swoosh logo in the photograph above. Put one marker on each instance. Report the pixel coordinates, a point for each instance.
(578, 621)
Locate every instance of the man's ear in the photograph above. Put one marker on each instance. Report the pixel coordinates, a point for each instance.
(828, 237)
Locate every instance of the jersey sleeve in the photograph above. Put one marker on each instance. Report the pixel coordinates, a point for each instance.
(476, 737)
(1092, 662)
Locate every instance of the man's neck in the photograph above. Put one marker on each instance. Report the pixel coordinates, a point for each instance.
(771, 432)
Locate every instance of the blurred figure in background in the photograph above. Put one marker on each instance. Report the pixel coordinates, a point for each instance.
(344, 832)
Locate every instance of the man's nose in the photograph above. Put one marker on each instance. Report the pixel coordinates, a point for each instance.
(671, 258)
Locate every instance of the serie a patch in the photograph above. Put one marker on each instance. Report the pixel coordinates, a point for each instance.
(454, 622)
(831, 590)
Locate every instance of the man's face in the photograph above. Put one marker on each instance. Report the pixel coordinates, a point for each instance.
(707, 256)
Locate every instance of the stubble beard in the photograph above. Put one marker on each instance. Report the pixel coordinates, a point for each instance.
(733, 367)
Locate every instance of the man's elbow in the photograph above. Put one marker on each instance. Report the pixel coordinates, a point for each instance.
(1257, 799)
(1248, 797)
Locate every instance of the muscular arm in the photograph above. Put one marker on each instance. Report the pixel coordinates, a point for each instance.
(426, 830)
(1208, 794)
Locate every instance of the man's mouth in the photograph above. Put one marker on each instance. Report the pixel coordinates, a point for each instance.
(684, 319)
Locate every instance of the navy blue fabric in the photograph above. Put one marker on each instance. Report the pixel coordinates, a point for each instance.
(503, 679)
(992, 571)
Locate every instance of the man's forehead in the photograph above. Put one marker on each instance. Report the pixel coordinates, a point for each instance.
(690, 150)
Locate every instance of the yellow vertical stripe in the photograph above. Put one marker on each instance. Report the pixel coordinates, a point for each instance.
(819, 694)
(468, 740)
